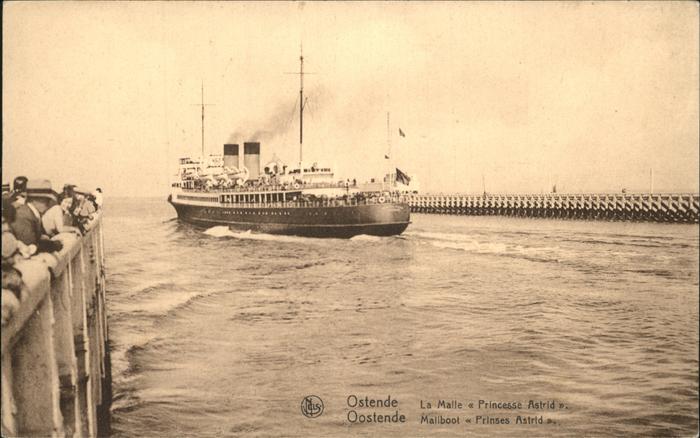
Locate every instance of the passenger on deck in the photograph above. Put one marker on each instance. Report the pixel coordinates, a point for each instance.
(19, 191)
(54, 221)
(11, 247)
(98, 197)
(27, 223)
(84, 212)
(68, 191)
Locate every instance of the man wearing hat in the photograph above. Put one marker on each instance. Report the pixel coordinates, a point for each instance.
(27, 224)
(19, 191)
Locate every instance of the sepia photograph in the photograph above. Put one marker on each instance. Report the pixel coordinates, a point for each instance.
(340, 219)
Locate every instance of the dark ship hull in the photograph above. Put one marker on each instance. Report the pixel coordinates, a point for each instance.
(344, 221)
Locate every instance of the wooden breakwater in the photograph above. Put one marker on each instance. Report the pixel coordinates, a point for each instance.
(679, 208)
(56, 370)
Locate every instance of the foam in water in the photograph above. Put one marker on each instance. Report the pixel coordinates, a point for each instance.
(473, 246)
(464, 242)
(365, 238)
(461, 242)
(220, 231)
(440, 236)
(224, 231)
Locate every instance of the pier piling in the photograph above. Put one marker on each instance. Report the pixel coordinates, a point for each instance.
(637, 207)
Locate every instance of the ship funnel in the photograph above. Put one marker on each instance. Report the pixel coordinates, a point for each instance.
(251, 158)
(231, 155)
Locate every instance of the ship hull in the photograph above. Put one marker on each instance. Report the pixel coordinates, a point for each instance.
(325, 221)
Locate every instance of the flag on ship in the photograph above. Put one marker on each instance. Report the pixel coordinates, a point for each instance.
(386, 156)
(401, 133)
(402, 177)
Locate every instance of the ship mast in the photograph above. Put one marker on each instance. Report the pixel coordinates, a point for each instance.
(389, 156)
(302, 104)
(301, 111)
(202, 119)
(301, 108)
(202, 105)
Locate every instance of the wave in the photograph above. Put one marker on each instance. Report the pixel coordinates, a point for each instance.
(161, 304)
(123, 352)
(602, 241)
(463, 242)
(132, 341)
(473, 246)
(626, 259)
(153, 287)
(365, 238)
(224, 231)
(220, 231)
(439, 236)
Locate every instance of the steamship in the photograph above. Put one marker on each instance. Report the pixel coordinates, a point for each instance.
(303, 201)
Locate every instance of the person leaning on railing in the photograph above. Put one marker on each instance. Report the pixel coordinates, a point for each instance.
(54, 221)
(31, 214)
(26, 225)
(12, 249)
(79, 210)
(68, 202)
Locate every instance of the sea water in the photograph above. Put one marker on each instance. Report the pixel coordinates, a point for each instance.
(222, 333)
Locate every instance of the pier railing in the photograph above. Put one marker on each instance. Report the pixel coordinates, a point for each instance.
(56, 376)
(665, 207)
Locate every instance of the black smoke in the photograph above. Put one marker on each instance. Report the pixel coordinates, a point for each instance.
(283, 118)
(280, 121)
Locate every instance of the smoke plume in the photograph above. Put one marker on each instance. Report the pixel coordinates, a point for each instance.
(283, 118)
(277, 123)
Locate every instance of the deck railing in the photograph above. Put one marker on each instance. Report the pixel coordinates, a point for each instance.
(289, 187)
(56, 371)
(335, 202)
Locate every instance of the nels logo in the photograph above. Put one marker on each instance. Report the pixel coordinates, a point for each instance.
(312, 406)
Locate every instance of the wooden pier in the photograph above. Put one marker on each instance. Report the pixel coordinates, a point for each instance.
(56, 376)
(671, 207)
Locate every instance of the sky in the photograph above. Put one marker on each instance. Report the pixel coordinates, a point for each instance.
(507, 96)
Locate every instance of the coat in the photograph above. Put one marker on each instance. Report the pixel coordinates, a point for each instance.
(26, 226)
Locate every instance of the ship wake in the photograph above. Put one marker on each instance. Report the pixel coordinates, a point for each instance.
(224, 231)
(462, 242)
